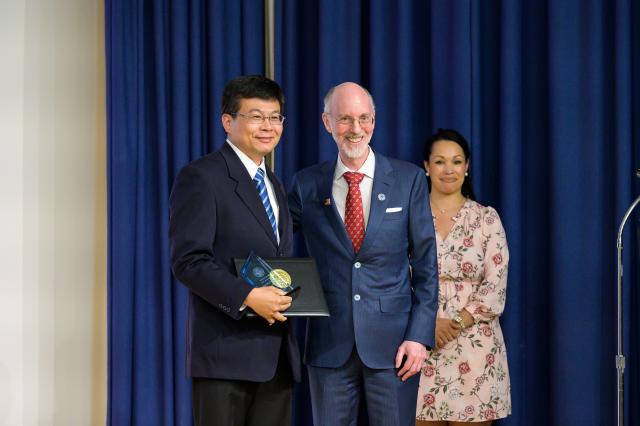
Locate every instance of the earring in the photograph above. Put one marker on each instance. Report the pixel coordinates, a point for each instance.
(466, 173)
(427, 173)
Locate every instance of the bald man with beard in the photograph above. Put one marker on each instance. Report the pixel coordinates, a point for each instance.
(366, 220)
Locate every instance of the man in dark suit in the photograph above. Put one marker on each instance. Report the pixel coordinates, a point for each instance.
(223, 206)
(366, 220)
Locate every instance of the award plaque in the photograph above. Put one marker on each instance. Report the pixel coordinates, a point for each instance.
(298, 277)
(259, 273)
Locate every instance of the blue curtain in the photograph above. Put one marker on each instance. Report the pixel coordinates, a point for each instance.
(547, 92)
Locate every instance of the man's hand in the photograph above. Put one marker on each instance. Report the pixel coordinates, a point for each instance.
(446, 331)
(268, 302)
(415, 354)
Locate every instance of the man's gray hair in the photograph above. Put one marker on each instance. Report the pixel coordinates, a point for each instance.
(327, 98)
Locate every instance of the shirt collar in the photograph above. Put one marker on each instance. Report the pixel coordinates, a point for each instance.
(248, 162)
(368, 168)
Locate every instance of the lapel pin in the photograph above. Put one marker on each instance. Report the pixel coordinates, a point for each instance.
(327, 201)
(381, 197)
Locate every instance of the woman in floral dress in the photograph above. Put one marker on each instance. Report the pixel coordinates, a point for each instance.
(465, 378)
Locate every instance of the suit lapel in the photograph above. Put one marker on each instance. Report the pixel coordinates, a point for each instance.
(246, 190)
(326, 192)
(380, 194)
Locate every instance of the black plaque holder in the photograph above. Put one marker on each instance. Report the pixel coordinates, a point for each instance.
(310, 301)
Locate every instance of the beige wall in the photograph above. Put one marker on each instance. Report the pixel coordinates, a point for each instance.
(52, 213)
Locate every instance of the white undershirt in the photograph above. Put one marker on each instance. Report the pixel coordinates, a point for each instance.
(340, 186)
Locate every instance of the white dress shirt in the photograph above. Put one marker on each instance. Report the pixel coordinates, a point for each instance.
(340, 186)
(252, 169)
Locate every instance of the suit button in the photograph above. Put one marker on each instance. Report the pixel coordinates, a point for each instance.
(356, 297)
(357, 265)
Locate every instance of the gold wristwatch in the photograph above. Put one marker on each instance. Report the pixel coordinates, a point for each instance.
(458, 320)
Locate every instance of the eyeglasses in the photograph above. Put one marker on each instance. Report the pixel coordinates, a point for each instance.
(257, 118)
(345, 120)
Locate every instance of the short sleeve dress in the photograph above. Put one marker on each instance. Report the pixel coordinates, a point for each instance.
(468, 379)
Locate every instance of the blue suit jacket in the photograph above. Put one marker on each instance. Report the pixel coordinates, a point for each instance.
(375, 301)
(216, 215)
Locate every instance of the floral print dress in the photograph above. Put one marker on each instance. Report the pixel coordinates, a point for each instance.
(467, 380)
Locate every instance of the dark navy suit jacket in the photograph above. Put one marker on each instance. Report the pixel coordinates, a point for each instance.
(216, 215)
(375, 301)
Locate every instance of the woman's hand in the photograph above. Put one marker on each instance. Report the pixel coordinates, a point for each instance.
(446, 331)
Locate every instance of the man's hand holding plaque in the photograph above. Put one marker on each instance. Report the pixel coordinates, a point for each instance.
(273, 292)
(269, 302)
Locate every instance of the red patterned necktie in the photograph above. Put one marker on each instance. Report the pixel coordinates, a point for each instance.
(353, 212)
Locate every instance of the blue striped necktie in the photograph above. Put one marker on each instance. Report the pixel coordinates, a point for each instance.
(264, 197)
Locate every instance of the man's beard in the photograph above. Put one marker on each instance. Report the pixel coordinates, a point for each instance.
(354, 152)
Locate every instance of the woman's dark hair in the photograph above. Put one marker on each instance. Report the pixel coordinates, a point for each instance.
(453, 136)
